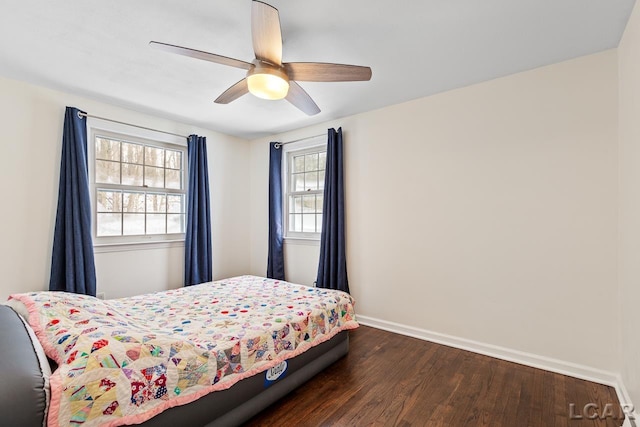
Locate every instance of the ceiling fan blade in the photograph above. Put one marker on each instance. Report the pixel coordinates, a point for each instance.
(301, 99)
(198, 54)
(265, 32)
(233, 93)
(325, 72)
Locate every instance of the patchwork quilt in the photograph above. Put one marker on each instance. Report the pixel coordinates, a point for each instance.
(123, 361)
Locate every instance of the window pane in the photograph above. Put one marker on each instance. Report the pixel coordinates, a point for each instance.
(322, 160)
(154, 156)
(298, 163)
(298, 182)
(292, 204)
(319, 223)
(319, 203)
(133, 202)
(109, 201)
(173, 160)
(156, 203)
(174, 179)
(132, 153)
(321, 180)
(175, 204)
(309, 204)
(311, 181)
(309, 223)
(133, 224)
(108, 224)
(154, 177)
(175, 223)
(156, 223)
(311, 162)
(298, 204)
(107, 172)
(131, 175)
(107, 149)
(295, 222)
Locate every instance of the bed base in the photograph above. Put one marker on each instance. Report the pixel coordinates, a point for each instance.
(248, 397)
(22, 398)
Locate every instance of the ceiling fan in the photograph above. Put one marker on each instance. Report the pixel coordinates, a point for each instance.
(267, 76)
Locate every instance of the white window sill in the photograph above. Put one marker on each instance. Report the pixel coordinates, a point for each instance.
(136, 246)
(301, 241)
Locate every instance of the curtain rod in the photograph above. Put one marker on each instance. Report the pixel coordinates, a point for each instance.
(280, 144)
(81, 114)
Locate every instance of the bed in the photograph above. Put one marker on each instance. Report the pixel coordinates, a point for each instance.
(212, 354)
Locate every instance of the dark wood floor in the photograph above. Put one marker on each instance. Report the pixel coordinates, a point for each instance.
(393, 380)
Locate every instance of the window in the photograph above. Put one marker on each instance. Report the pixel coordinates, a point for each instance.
(139, 189)
(304, 189)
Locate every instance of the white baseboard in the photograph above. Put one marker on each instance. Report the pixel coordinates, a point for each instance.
(625, 401)
(629, 423)
(523, 358)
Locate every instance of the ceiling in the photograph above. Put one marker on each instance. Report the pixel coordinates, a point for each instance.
(415, 48)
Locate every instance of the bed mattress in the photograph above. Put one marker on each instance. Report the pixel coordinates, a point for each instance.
(125, 361)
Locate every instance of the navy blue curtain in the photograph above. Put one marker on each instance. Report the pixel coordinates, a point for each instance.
(198, 266)
(72, 263)
(332, 268)
(275, 259)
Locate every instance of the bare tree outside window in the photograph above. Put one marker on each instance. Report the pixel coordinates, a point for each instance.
(305, 192)
(139, 188)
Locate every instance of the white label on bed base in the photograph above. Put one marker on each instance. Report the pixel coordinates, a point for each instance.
(274, 373)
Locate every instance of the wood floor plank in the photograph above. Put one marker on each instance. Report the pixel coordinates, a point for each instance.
(393, 380)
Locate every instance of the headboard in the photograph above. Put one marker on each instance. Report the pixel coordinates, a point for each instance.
(22, 385)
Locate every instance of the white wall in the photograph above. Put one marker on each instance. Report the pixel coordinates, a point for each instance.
(31, 120)
(629, 93)
(487, 213)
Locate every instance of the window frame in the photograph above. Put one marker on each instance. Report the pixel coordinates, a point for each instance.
(306, 146)
(146, 138)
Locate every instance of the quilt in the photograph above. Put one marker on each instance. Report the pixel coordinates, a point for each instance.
(123, 361)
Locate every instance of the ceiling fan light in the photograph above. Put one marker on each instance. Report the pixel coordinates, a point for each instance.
(268, 86)
(267, 81)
